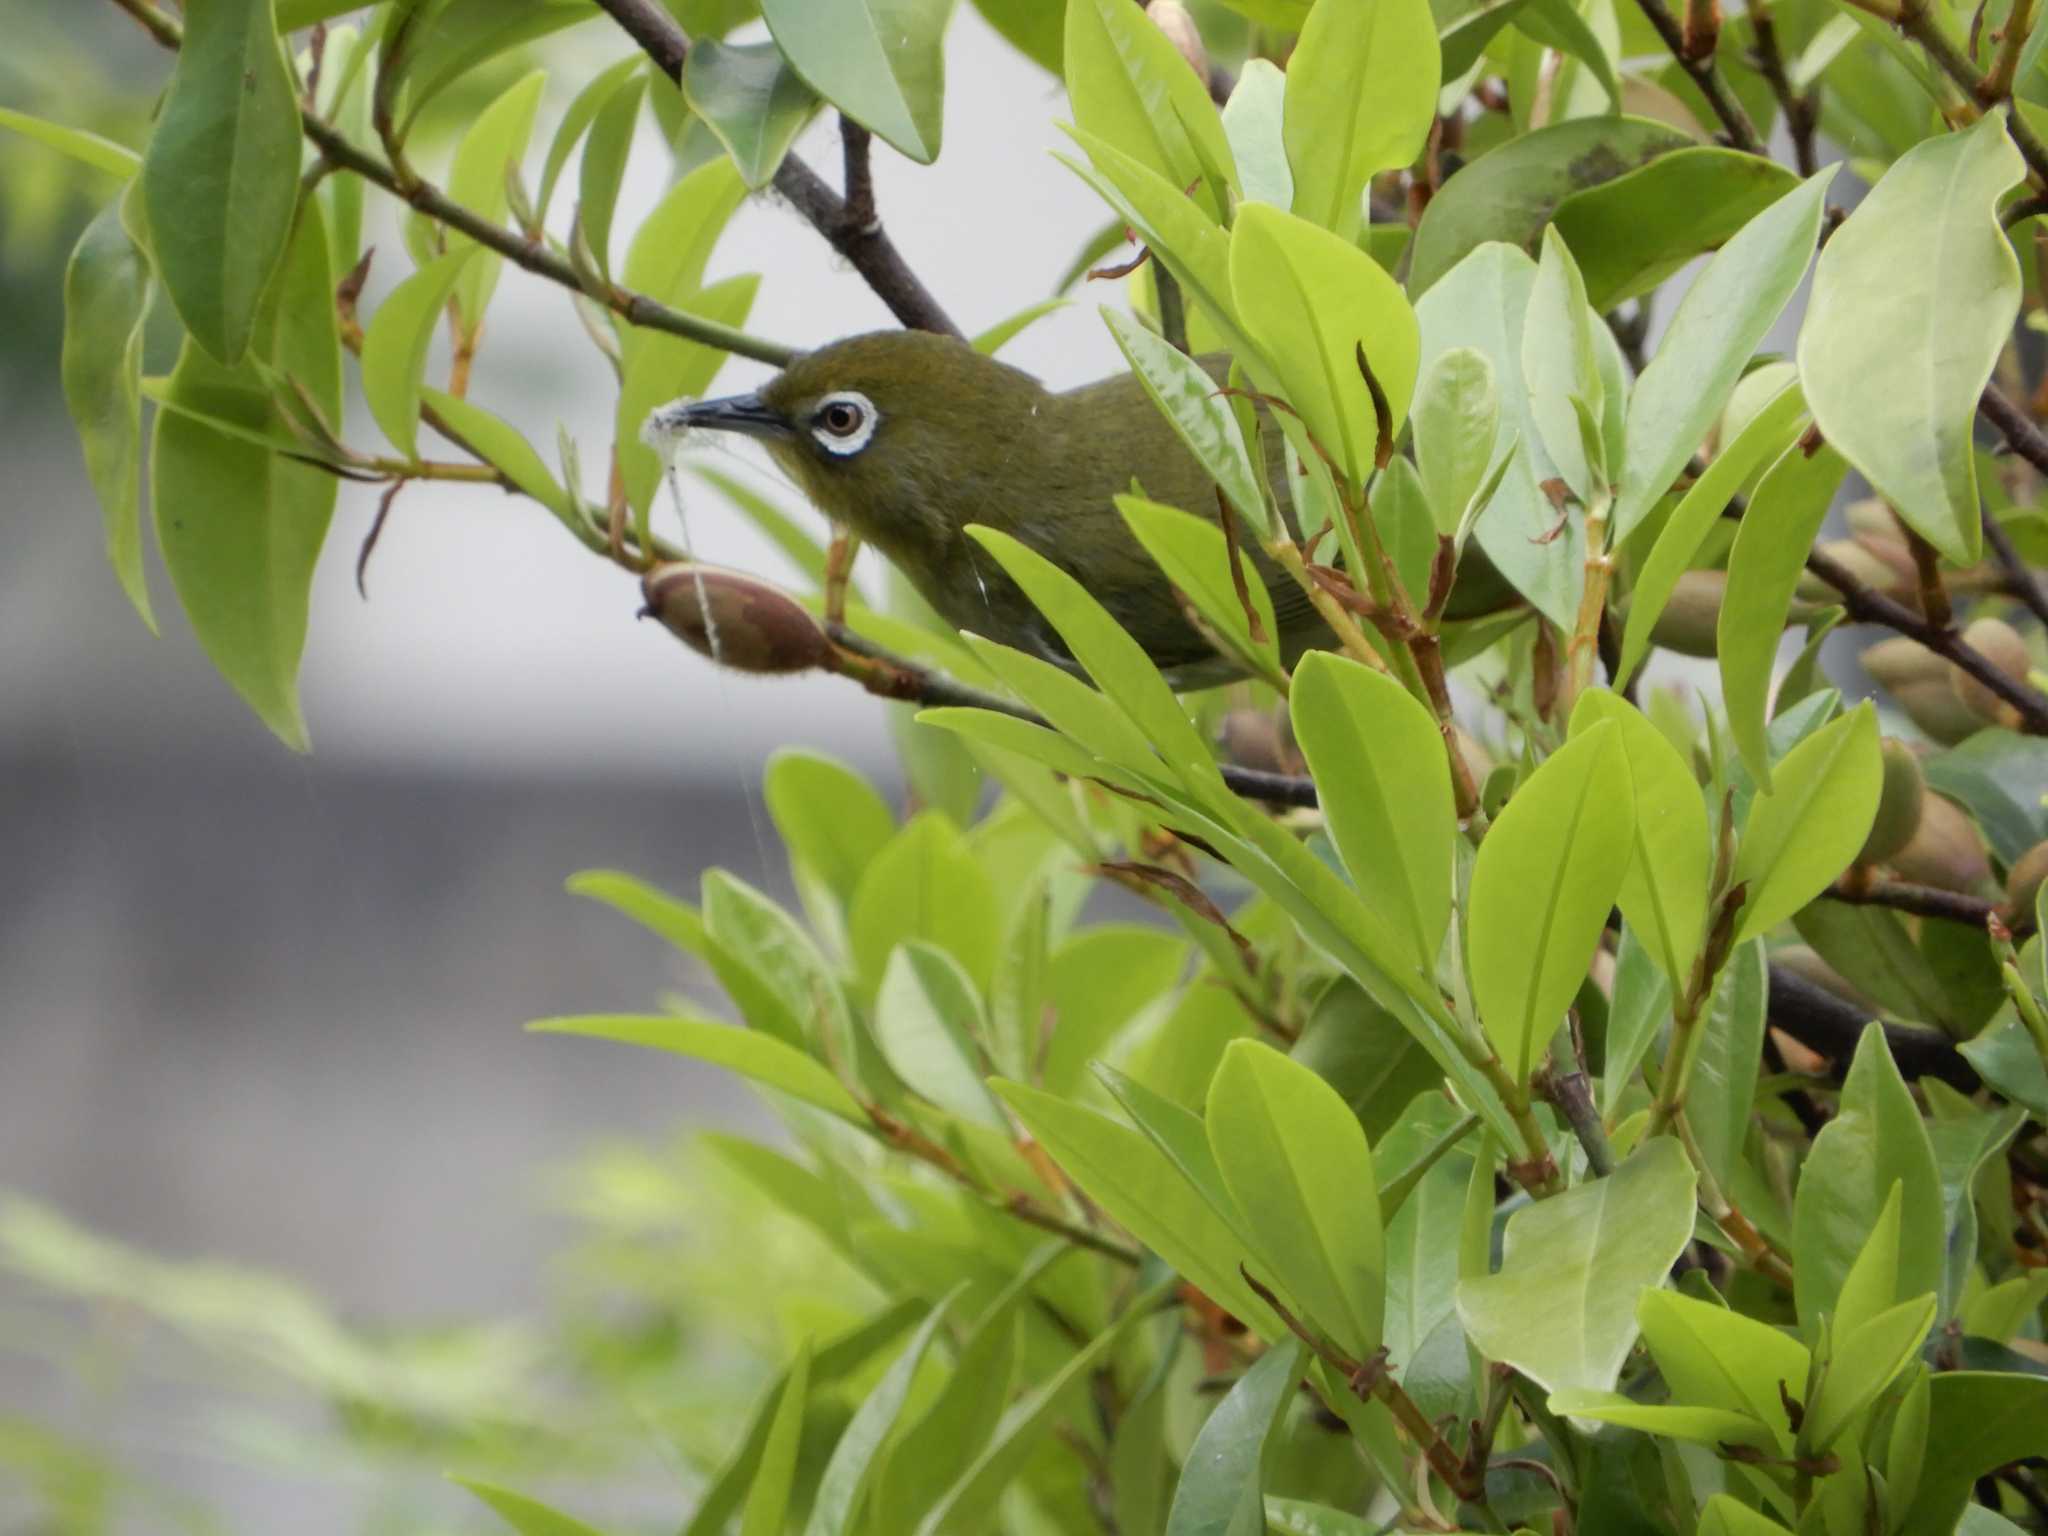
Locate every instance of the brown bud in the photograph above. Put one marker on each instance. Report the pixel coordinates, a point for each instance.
(2002, 646)
(1898, 662)
(737, 620)
(2023, 884)
(1687, 624)
(1873, 518)
(1898, 805)
(1874, 568)
(1254, 738)
(1174, 19)
(1946, 851)
(1916, 680)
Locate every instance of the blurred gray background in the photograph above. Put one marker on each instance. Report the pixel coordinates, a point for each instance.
(266, 1008)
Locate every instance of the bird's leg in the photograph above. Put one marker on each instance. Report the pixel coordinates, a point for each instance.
(838, 571)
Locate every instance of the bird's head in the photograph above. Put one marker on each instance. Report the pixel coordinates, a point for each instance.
(898, 434)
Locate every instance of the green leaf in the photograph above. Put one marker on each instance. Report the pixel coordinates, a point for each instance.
(881, 62)
(2006, 1057)
(1035, 28)
(106, 299)
(1809, 828)
(1385, 784)
(1144, 1193)
(926, 884)
(1313, 300)
(1723, 318)
(1977, 1421)
(1562, 1309)
(991, 341)
(241, 528)
(1361, 96)
(1293, 1157)
(1898, 396)
(396, 342)
(753, 100)
(492, 147)
(1721, 1086)
(1298, 1517)
(1130, 86)
(1632, 233)
(928, 1022)
(1702, 1426)
(1723, 1516)
(221, 175)
(1559, 366)
(1764, 568)
(76, 143)
(974, 1493)
(1457, 424)
(855, 1459)
(1252, 121)
(670, 248)
(659, 367)
(603, 168)
(2000, 777)
(1192, 553)
(460, 36)
(1222, 1491)
(1766, 436)
(831, 819)
(749, 1052)
(504, 448)
(527, 1516)
(1876, 1140)
(1186, 395)
(1509, 193)
(1664, 895)
(1542, 885)
(768, 1498)
(576, 121)
(1714, 1357)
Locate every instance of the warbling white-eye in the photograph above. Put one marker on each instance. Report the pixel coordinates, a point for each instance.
(906, 438)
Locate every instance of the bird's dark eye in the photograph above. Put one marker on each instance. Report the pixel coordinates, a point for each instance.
(842, 418)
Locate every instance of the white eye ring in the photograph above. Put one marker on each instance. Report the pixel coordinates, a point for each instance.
(844, 422)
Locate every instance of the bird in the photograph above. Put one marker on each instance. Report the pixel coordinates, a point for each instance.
(908, 437)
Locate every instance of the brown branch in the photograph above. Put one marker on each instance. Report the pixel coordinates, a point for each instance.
(1917, 20)
(1825, 1023)
(1741, 132)
(1802, 115)
(851, 231)
(2025, 585)
(1917, 900)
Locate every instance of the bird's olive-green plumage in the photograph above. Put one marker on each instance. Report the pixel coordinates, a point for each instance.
(908, 438)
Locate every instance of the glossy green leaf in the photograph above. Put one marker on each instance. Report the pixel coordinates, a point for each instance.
(1192, 553)
(1809, 828)
(1639, 1009)
(1702, 1426)
(1293, 1157)
(1385, 786)
(504, 448)
(395, 345)
(1876, 1140)
(1714, 1357)
(2001, 778)
(1764, 568)
(843, 1485)
(1913, 300)
(1361, 96)
(926, 884)
(929, 1023)
(106, 298)
(2006, 1057)
(881, 62)
(1483, 304)
(1724, 316)
(1457, 423)
(1313, 300)
(991, 341)
(1077, 712)
(831, 818)
(1762, 440)
(77, 144)
(1724, 1516)
(576, 121)
(654, 909)
(1664, 896)
(460, 36)
(241, 528)
(491, 148)
(1187, 396)
(1542, 885)
(768, 1499)
(1559, 25)
(1562, 1309)
(1977, 1421)
(659, 367)
(779, 958)
(1560, 368)
(919, 1464)
(602, 170)
(1721, 1085)
(747, 1051)
(1252, 121)
(529, 1517)
(1035, 28)
(221, 175)
(1180, 1134)
(1222, 1492)
(753, 100)
(1143, 1192)
(1130, 86)
(1633, 232)
(1509, 193)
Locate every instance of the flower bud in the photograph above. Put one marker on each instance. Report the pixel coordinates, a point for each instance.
(737, 620)
(2023, 884)
(1946, 851)
(1174, 19)
(1916, 680)
(1898, 804)
(2002, 646)
(1687, 624)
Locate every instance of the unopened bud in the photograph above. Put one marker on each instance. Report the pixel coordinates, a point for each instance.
(1691, 616)
(1253, 738)
(1867, 565)
(1873, 518)
(1898, 804)
(1916, 680)
(1946, 851)
(737, 620)
(2023, 884)
(1174, 19)
(2000, 644)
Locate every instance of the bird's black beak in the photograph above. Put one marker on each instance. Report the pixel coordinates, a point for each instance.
(746, 414)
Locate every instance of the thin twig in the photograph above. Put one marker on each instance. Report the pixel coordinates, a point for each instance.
(862, 242)
(1802, 116)
(1917, 20)
(1917, 900)
(1702, 72)
(2026, 586)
